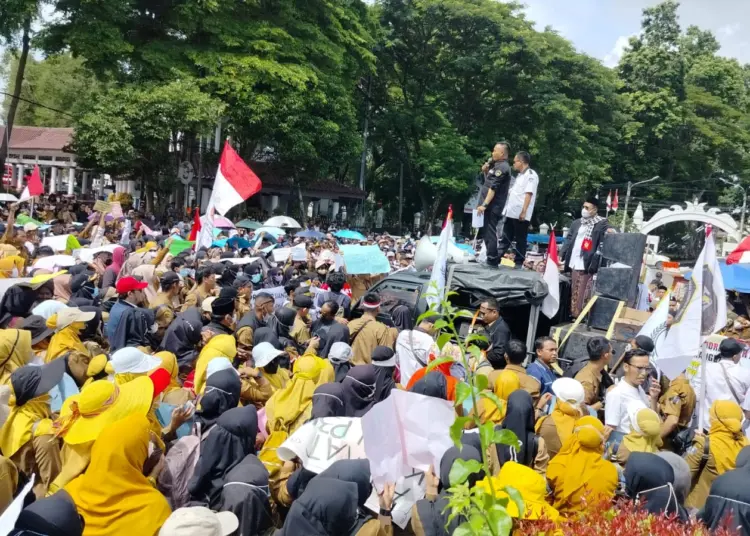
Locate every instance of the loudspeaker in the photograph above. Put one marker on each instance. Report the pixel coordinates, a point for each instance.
(574, 353)
(602, 312)
(614, 282)
(627, 249)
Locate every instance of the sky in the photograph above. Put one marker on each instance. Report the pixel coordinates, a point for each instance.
(601, 28)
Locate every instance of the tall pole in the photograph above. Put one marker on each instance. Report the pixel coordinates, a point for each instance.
(625, 212)
(744, 208)
(401, 196)
(363, 158)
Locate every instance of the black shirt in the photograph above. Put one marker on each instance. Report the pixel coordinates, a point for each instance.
(499, 334)
(498, 179)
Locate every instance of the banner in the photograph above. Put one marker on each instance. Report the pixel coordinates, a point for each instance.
(178, 245)
(278, 293)
(364, 260)
(281, 255)
(321, 442)
(710, 350)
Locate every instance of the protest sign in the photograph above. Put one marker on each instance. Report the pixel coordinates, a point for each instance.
(87, 254)
(710, 350)
(403, 431)
(178, 245)
(240, 261)
(54, 262)
(102, 207)
(298, 254)
(364, 260)
(116, 209)
(321, 442)
(57, 243)
(278, 293)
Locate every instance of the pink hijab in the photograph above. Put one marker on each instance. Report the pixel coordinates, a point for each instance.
(118, 259)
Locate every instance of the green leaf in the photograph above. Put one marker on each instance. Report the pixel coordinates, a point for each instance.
(464, 529)
(481, 381)
(463, 391)
(440, 324)
(462, 469)
(489, 395)
(487, 433)
(457, 430)
(427, 314)
(476, 521)
(505, 437)
(442, 339)
(500, 521)
(463, 313)
(437, 363)
(475, 351)
(516, 497)
(475, 337)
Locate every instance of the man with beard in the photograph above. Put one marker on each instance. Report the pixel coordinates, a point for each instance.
(222, 313)
(250, 322)
(129, 323)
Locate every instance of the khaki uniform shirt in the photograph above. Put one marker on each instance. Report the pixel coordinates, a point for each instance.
(700, 491)
(590, 378)
(300, 332)
(195, 298)
(679, 401)
(366, 334)
(528, 383)
(547, 430)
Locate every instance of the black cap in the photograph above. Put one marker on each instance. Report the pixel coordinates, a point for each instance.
(241, 281)
(227, 292)
(302, 301)
(223, 305)
(645, 343)
(37, 325)
(730, 347)
(169, 278)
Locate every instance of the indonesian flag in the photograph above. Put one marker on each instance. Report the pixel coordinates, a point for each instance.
(196, 225)
(34, 186)
(741, 254)
(551, 302)
(609, 200)
(615, 203)
(235, 182)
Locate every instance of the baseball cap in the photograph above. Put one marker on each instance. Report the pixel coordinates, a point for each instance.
(303, 302)
(30, 227)
(129, 284)
(568, 390)
(169, 278)
(207, 304)
(67, 316)
(730, 347)
(199, 521)
(645, 343)
(131, 359)
(264, 353)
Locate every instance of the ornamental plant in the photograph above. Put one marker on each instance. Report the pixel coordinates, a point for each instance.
(483, 513)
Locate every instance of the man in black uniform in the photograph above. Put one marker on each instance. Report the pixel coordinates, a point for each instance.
(493, 196)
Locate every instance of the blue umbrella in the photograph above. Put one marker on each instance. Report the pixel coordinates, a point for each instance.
(273, 231)
(315, 235)
(239, 242)
(350, 235)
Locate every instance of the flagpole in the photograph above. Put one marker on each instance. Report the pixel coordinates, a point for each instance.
(702, 395)
(32, 207)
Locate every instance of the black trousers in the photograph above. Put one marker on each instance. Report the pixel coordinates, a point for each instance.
(514, 230)
(493, 220)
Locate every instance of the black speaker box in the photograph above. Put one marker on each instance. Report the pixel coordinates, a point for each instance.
(614, 282)
(626, 248)
(602, 313)
(574, 352)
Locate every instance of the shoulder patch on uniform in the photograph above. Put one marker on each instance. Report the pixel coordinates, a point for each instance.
(675, 399)
(692, 450)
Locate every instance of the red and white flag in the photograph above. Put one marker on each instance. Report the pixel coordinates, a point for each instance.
(551, 302)
(235, 182)
(615, 202)
(609, 200)
(34, 186)
(196, 224)
(741, 254)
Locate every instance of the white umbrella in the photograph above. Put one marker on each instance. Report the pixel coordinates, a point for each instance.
(285, 222)
(8, 197)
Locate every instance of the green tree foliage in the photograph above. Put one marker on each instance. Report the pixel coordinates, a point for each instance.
(60, 82)
(144, 131)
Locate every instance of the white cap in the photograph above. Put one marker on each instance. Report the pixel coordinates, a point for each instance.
(340, 352)
(30, 227)
(207, 303)
(264, 353)
(131, 359)
(568, 390)
(217, 364)
(68, 315)
(199, 521)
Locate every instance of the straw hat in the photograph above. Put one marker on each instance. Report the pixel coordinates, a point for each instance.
(85, 415)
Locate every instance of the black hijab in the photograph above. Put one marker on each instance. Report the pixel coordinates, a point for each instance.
(332, 333)
(433, 384)
(355, 471)
(385, 382)
(402, 317)
(730, 496)
(266, 335)
(284, 322)
(650, 479)
(55, 515)
(16, 301)
(359, 390)
(328, 401)
(328, 507)
(182, 337)
(225, 446)
(82, 288)
(222, 394)
(519, 419)
(247, 495)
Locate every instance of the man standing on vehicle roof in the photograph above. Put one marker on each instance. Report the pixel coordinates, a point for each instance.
(493, 195)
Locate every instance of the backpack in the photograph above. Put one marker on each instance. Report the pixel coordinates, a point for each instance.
(179, 466)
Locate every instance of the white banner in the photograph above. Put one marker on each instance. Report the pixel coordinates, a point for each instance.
(278, 293)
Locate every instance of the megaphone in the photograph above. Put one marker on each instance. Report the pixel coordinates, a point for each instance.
(426, 254)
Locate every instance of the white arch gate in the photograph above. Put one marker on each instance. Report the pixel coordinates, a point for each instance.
(693, 212)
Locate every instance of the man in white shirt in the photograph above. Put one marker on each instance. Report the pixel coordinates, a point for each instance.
(629, 392)
(413, 348)
(519, 207)
(726, 379)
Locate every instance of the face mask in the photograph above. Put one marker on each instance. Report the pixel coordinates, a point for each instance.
(154, 328)
(278, 278)
(738, 325)
(585, 213)
(95, 292)
(255, 278)
(184, 272)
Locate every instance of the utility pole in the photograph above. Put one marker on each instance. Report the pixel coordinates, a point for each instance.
(363, 159)
(627, 199)
(736, 184)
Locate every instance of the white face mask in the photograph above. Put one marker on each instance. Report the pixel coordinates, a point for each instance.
(585, 213)
(154, 328)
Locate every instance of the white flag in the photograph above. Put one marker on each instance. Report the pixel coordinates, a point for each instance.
(439, 268)
(703, 313)
(655, 328)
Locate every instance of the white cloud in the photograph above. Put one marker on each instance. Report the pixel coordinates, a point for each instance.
(729, 30)
(612, 58)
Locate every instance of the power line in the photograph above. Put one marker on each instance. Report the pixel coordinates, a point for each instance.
(38, 104)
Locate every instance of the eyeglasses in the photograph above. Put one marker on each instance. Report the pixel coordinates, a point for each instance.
(485, 310)
(641, 370)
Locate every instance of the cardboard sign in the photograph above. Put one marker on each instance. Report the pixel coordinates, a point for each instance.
(116, 209)
(57, 243)
(278, 293)
(364, 260)
(298, 254)
(103, 207)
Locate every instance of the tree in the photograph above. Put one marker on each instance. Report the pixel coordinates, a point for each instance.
(145, 132)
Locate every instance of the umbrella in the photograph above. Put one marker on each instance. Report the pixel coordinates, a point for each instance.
(8, 197)
(249, 224)
(273, 231)
(316, 235)
(350, 235)
(285, 222)
(224, 223)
